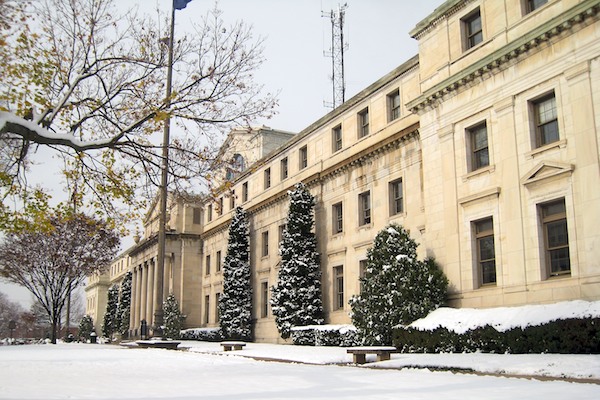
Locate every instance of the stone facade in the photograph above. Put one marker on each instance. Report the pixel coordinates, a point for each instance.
(485, 146)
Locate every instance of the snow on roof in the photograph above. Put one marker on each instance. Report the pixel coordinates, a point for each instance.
(504, 318)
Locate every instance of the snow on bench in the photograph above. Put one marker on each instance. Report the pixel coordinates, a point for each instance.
(228, 346)
(359, 354)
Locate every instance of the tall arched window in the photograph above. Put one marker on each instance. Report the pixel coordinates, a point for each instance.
(237, 165)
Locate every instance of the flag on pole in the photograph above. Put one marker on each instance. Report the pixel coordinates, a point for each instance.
(180, 4)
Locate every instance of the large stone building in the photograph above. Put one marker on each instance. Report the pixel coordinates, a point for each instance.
(485, 146)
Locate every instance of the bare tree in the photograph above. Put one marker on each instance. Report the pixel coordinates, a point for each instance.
(9, 311)
(89, 84)
(50, 262)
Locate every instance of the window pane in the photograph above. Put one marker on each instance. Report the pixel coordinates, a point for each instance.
(488, 272)
(481, 159)
(486, 248)
(560, 261)
(549, 132)
(557, 234)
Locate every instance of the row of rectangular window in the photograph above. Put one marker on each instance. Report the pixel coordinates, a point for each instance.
(393, 107)
(472, 25)
(393, 101)
(264, 303)
(553, 222)
(545, 120)
(396, 204)
(207, 263)
(556, 253)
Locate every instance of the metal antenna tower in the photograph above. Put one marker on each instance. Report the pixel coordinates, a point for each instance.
(337, 54)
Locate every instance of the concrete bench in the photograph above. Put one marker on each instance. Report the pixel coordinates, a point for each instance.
(228, 346)
(359, 354)
(158, 344)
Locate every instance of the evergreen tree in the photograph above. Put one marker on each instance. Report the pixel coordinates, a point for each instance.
(173, 318)
(235, 304)
(296, 299)
(86, 327)
(125, 305)
(396, 287)
(109, 325)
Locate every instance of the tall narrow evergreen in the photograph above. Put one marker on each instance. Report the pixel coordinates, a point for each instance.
(396, 287)
(125, 305)
(109, 324)
(173, 318)
(235, 303)
(296, 299)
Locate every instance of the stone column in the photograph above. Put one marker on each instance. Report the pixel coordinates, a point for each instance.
(132, 305)
(150, 289)
(138, 298)
(144, 289)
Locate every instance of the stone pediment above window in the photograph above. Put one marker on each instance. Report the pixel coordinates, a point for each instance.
(545, 170)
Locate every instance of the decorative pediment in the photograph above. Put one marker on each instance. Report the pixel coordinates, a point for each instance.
(545, 170)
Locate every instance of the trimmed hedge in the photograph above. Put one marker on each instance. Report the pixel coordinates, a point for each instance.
(325, 335)
(202, 334)
(567, 336)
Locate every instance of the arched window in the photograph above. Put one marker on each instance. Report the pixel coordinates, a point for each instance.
(237, 165)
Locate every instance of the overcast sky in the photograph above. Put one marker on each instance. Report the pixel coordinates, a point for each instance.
(295, 39)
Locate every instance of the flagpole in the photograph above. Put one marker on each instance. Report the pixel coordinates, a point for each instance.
(162, 227)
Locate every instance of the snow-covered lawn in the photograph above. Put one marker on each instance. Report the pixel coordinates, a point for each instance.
(78, 371)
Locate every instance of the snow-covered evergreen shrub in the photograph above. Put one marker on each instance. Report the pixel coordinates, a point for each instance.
(173, 319)
(566, 336)
(296, 299)
(235, 303)
(125, 305)
(202, 334)
(86, 327)
(110, 322)
(396, 288)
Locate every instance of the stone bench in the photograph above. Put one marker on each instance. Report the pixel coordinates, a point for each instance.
(359, 354)
(158, 344)
(228, 346)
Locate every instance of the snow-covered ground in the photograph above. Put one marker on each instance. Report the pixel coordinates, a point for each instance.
(78, 371)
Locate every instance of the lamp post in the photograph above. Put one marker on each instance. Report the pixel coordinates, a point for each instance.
(162, 225)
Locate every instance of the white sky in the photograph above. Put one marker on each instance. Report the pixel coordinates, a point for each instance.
(295, 39)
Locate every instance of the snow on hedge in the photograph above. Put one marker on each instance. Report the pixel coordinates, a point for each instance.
(460, 320)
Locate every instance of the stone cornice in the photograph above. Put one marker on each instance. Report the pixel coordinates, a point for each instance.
(447, 9)
(502, 56)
